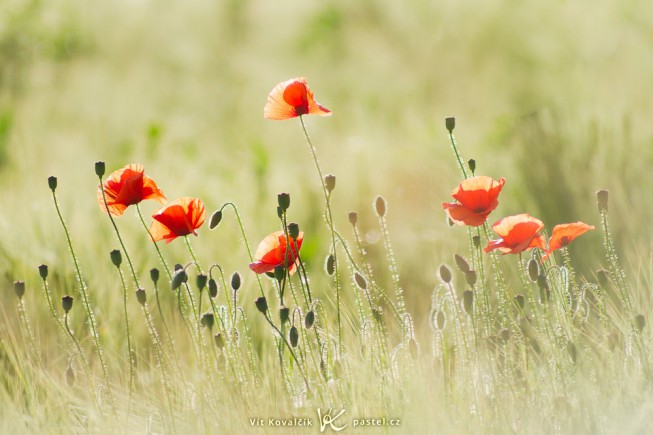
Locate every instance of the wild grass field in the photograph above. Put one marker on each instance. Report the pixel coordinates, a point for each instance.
(552, 96)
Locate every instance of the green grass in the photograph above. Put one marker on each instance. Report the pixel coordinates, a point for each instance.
(551, 96)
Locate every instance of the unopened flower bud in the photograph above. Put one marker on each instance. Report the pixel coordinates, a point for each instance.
(154, 275)
(472, 165)
(215, 219)
(213, 288)
(330, 182)
(235, 281)
(180, 278)
(462, 264)
(178, 267)
(283, 200)
(353, 217)
(450, 123)
(360, 281)
(99, 169)
(66, 303)
(208, 320)
(19, 289)
(330, 265)
(379, 206)
(116, 257)
(261, 304)
(533, 270)
(52, 183)
(279, 273)
(445, 274)
(468, 301)
(294, 336)
(141, 297)
(309, 320)
(439, 320)
(284, 314)
(43, 271)
(293, 232)
(200, 281)
(470, 277)
(476, 240)
(602, 200)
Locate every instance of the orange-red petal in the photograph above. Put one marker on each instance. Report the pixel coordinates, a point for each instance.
(272, 252)
(290, 99)
(177, 218)
(127, 186)
(517, 233)
(564, 234)
(477, 198)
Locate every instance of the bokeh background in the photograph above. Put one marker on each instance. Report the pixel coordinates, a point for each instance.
(554, 96)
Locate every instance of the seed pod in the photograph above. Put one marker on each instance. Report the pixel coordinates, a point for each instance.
(283, 199)
(213, 288)
(462, 264)
(330, 182)
(450, 123)
(445, 274)
(533, 270)
(216, 217)
(360, 281)
(154, 275)
(293, 232)
(261, 304)
(330, 264)
(67, 303)
(178, 267)
(19, 289)
(294, 336)
(476, 240)
(235, 281)
(200, 281)
(379, 206)
(284, 314)
(468, 301)
(208, 320)
(602, 200)
(100, 168)
(309, 320)
(353, 217)
(472, 165)
(43, 271)
(52, 183)
(116, 257)
(141, 297)
(219, 340)
(519, 301)
(640, 322)
(470, 277)
(180, 278)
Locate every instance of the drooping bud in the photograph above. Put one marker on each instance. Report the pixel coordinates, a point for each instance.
(283, 199)
(116, 257)
(353, 217)
(533, 270)
(66, 303)
(450, 123)
(602, 200)
(213, 288)
(43, 271)
(180, 278)
(462, 264)
(379, 206)
(330, 264)
(235, 281)
(141, 297)
(262, 304)
(445, 274)
(468, 301)
(293, 232)
(200, 281)
(99, 169)
(294, 336)
(216, 217)
(19, 289)
(52, 183)
(154, 275)
(309, 320)
(284, 314)
(360, 281)
(330, 182)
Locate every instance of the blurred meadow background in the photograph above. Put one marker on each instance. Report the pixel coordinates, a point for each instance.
(554, 96)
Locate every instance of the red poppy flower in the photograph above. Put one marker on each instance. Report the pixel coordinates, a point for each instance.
(290, 99)
(128, 186)
(477, 197)
(272, 252)
(517, 233)
(563, 234)
(177, 218)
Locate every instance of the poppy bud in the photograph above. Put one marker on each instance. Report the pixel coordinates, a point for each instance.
(43, 271)
(213, 288)
(279, 273)
(141, 297)
(533, 270)
(219, 340)
(70, 375)
(353, 217)
(360, 281)
(309, 320)
(379, 206)
(602, 200)
(279, 212)
(470, 277)
(330, 265)
(215, 219)
(476, 240)
(261, 304)
(284, 201)
(116, 257)
(208, 320)
(472, 165)
(445, 274)
(468, 301)
(461, 263)
(542, 283)
(154, 275)
(640, 322)
(178, 267)
(293, 231)
(19, 289)
(200, 281)
(284, 314)
(66, 303)
(294, 336)
(330, 182)
(450, 123)
(99, 169)
(519, 301)
(180, 277)
(52, 183)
